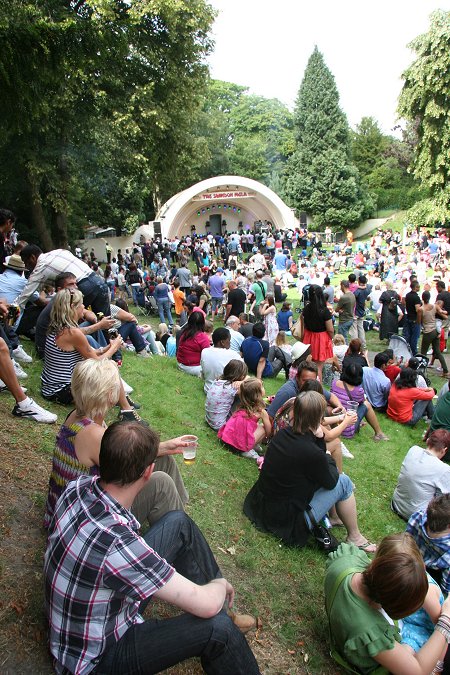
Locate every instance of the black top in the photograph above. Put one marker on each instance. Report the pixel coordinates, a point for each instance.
(354, 358)
(246, 330)
(444, 296)
(316, 322)
(237, 299)
(295, 467)
(411, 300)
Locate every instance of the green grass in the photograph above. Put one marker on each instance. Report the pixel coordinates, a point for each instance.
(283, 586)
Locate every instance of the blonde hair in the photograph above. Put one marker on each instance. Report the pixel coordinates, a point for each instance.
(162, 329)
(251, 395)
(281, 338)
(95, 387)
(338, 339)
(63, 314)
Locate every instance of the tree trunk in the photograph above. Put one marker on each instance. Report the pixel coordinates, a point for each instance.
(43, 236)
(61, 212)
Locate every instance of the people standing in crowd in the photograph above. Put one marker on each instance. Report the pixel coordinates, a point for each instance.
(345, 308)
(317, 327)
(391, 314)
(413, 305)
(161, 295)
(430, 335)
(216, 285)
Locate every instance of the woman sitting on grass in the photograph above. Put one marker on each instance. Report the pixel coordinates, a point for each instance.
(407, 403)
(221, 395)
(250, 424)
(66, 345)
(96, 388)
(355, 354)
(349, 389)
(297, 475)
(193, 340)
(362, 598)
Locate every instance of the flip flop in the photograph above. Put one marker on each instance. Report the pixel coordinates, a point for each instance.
(365, 547)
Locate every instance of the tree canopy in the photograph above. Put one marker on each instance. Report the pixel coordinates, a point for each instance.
(98, 99)
(425, 101)
(320, 175)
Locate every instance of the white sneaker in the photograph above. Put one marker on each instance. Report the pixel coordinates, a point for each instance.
(251, 454)
(20, 354)
(3, 387)
(20, 373)
(31, 410)
(126, 387)
(346, 452)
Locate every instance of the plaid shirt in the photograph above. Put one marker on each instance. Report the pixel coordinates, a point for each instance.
(435, 551)
(48, 266)
(97, 571)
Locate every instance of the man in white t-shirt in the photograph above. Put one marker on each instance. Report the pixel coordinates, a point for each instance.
(423, 475)
(215, 358)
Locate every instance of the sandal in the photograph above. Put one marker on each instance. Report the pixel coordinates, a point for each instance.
(380, 437)
(367, 546)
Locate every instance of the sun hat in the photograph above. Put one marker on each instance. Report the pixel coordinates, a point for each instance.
(298, 350)
(15, 262)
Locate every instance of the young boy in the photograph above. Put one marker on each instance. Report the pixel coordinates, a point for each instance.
(431, 530)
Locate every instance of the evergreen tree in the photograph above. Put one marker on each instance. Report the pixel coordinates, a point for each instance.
(320, 177)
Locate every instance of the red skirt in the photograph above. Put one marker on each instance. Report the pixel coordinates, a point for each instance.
(321, 345)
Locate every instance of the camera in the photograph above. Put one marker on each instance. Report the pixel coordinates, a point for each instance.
(113, 333)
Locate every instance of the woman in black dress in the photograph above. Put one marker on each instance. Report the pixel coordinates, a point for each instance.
(391, 314)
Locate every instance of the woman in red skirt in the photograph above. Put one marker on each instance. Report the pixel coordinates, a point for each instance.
(317, 327)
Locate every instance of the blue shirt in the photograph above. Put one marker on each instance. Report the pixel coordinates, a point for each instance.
(280, 261)
(11, 285)
(435, 550)
(252, 350)
(283, 320)
(284, 393)
(377, 386)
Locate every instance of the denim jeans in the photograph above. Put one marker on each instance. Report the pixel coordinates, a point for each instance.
(155, 645)
(164, 310)
(411, 333)
(129, 330)
(324, 499)
(95, 293)
(421, 408)
(344, 328)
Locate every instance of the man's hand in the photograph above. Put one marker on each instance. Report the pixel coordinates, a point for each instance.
(3, 307)
(106, 323)
(174, 446)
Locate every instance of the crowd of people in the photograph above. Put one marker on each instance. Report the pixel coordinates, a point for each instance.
(216, 298)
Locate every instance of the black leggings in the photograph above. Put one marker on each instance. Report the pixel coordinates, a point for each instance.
(63, 396)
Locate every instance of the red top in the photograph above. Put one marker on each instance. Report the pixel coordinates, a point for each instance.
(189, 351)
(392, 372)
(401, 401)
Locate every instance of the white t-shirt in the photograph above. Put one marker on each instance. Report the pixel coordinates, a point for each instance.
(213, 361)
(422, 476)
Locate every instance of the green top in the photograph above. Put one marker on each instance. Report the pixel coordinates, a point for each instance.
(441, 417)
(359, 631)
(257, 290)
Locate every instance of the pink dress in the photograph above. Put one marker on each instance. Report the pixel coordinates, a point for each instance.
(272, 328)
(239, 431)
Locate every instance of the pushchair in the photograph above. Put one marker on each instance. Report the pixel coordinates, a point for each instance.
(403, 351)
(146, 303)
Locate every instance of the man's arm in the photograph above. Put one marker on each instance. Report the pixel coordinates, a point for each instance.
(36, 278)
(202, 601)
(260, 367)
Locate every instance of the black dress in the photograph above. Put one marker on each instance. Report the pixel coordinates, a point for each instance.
(389, 314)
(295, 467)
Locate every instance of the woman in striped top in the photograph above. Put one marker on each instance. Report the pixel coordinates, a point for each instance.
(66, 345)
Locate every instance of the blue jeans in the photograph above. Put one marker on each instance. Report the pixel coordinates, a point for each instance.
(129, 330)
(97, 338)
(155, 645)
(421, 408)
(344, 328)
(411, 333)
(95, 293)
(164, 310)
(324, 499)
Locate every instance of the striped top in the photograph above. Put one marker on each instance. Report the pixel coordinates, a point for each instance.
(65, 465)
(58, 367)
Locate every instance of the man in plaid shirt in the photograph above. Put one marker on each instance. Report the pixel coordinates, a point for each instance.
(100, 574)
(431, 530)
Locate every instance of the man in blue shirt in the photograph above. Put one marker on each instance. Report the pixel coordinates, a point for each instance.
(258, 356)
(375, 383)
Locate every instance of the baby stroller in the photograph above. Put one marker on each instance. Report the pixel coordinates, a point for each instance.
(403, 351)
(146, 303)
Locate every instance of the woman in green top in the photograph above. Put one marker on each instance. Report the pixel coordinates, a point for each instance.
(362, 598)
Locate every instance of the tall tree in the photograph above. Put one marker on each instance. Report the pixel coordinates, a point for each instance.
(425, 101)
(320, 176)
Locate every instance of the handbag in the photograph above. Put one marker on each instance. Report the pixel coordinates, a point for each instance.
(324, 539)
(297, 330)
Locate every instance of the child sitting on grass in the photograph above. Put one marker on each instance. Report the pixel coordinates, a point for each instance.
(431, 531)
(222, 392)
(250, 424)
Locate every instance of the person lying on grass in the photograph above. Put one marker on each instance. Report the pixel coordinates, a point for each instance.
(298, 474)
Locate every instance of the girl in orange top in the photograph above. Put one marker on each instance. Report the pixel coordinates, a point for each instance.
(407, 403)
